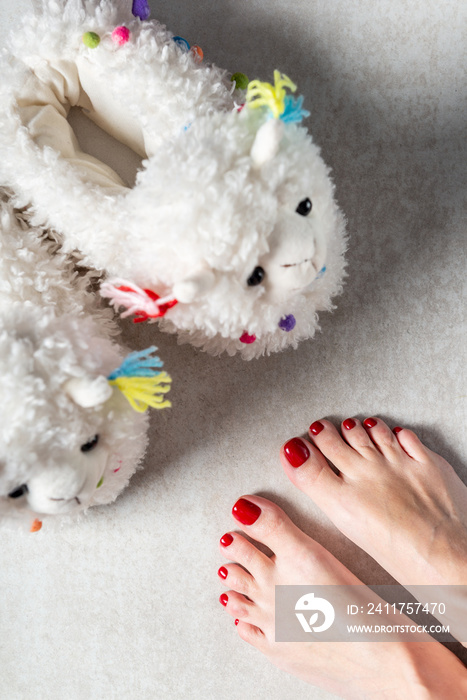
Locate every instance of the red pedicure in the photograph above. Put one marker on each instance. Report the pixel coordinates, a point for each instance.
(296, 452)
(223, 573)
(223, 599)
(316, 427)
(396, 429)
(370, 422)
(237, 621)
(246, 512)
(226, 539)
(349, 423)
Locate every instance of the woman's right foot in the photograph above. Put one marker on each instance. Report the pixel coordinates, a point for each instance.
(392, 496)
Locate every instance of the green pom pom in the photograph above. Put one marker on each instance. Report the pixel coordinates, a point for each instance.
(91, 40)
(241, 81)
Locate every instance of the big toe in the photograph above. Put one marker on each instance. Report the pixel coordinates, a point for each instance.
(265, 522)
(309, 470)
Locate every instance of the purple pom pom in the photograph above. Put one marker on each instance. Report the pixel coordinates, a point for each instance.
(287, 323)
(141, 9)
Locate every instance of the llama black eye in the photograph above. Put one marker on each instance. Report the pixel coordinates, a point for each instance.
(256, 277)
(20, 491)
(90, 444)
(304, 207)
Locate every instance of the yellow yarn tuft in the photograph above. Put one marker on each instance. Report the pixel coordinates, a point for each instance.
(143, 392)
(272, 96)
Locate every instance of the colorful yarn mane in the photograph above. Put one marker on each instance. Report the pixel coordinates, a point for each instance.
(276, 100)
(140, 382)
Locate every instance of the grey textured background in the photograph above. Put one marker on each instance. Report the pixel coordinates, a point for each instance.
(125, 605)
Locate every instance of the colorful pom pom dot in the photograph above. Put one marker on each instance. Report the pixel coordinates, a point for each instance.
(241, 81)
(36, 526)
(321, 273)
(101, 481)
(287, 323)
(198, 53)
(120, 35)
(182, 43)
(141, 9)
(91, 40)
(247, 339)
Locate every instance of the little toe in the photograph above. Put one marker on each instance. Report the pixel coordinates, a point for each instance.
(252, 635)
(235, 577)
(330, 442)
(373, 433)
(237, 548)
(267, 523)
(411, 444)
(309, 470)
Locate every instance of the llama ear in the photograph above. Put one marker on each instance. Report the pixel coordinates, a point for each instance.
(266, 143)
(87, 392)
(193, 287)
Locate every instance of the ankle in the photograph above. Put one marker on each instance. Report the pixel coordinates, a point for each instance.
(432, 672)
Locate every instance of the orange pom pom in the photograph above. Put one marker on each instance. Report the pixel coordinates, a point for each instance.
(36, 526)
(198, 53)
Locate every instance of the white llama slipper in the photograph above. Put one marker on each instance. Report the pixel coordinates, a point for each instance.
(69, 437)
(231, 236)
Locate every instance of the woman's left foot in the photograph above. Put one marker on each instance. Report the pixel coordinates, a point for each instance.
(378, 671)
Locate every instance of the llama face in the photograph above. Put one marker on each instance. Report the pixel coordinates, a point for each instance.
(295, 258)
(251, 246)
(69, 438)
(64, 484)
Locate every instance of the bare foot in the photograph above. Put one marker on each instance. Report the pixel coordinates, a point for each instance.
(395, 498)
(380, 671)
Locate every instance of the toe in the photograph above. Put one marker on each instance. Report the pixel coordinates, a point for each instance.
(382, 437)
(251, 634)
(235, 577)
(237, 548)
(330, 443)
(411, 444)
(267, 523)
(308, 469)
(370, 438)
(240, 607)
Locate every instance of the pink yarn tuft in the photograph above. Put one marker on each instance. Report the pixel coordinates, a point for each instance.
(144, 303)
(120, 35)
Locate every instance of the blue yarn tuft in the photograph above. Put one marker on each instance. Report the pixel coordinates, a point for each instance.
(293, 112)
(138, 364)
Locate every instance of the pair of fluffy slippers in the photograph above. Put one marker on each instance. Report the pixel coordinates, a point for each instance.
(230, 236)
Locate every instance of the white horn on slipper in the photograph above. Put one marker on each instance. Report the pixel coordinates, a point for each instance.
(266, 143)
(87, 392)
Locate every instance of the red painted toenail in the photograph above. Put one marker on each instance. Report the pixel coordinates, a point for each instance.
(223, 573)
(226, 539)
(396, 429)
(224, 599)
(246, 512)
(349, 424)
(316, 427)
(296, 452)
(237, 621)
(370, 422)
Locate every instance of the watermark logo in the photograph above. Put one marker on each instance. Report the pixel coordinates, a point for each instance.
(359, 613)
(313, 605)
